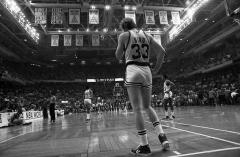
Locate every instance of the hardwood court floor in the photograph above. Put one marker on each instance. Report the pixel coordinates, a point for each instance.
(196, 132)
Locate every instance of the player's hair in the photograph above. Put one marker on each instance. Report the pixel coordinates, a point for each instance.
(127, 24)
(165, 77)
(87, 87)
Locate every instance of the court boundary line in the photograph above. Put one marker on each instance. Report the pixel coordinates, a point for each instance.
(206, 152)
(212, 137)
(199, 126)
(13, 137)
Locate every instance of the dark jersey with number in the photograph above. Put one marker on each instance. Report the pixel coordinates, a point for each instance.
(138, 47)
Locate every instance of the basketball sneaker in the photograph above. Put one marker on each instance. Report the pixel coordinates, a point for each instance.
(142, 150)
(163, 140)
(166, 118)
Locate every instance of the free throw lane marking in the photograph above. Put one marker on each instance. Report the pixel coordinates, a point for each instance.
(207, 152)
(199, 126)
(176, 152)
(212, 137)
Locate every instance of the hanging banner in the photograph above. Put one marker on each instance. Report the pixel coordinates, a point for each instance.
(67, 40)
(163, 17)
(74, 16)
(56, 16)
(40, 15)
(157, 38)
(130, 14)
(79, 40)
(176, 17)
(95, 40)
(93, 16)
(55, 40)
(149, 17)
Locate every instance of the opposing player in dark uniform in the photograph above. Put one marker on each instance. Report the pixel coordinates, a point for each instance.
(135, 46)
(88, 95)
(167, 98)
(53, 100)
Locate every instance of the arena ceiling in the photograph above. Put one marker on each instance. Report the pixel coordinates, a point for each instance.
(208, 23)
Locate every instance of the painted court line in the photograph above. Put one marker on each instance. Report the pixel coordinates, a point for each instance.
(176, 152)
(207, 152)
(212, 137)
(199, 126)
(13, 137)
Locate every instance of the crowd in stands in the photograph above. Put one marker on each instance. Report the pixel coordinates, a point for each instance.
(219, 87)
(229, 50)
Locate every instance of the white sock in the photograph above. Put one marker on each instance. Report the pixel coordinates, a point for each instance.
(88, 116)
(158, 127)
(172, 113)
(166, 113)
(144, 140)
(143, 137)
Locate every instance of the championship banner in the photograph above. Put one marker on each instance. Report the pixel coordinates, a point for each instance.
(130, 14)
(55, 40)
(163, 17)
(67, 40)
(95, 40)
(74, 16)
(93, 16)
(40, 15)
(157, 38)
(56, 16)
(149, 17)
(176, 17)
(79, 40)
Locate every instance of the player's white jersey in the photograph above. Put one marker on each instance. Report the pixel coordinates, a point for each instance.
(167, 89)
(88, 94)
(138, 47)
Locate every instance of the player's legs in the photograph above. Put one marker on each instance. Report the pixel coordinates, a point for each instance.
(165, 106)
(134, 93)
(87, 103)
(146, 101)
(172, 108)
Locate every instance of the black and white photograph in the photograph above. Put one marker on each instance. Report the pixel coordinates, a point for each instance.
(119, 78)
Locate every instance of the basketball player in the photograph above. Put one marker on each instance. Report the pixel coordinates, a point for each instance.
(136, 47)
(88, 95)
(99, 101)
(53, 100)
(167, 98)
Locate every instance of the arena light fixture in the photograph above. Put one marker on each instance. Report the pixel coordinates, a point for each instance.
(107, 7)
(93, 6)
(105, 30)
(126, 7)
(134, 8)
(20, 17)
(186, 19)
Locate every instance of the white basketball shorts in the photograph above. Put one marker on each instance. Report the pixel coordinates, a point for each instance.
(87, 101)
(138, 76)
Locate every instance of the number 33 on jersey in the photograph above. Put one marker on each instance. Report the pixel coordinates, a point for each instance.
(138, 47)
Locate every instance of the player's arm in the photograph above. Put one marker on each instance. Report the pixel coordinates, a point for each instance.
(120, 48)
(91, 93)
(159, 52)
(173, 84)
